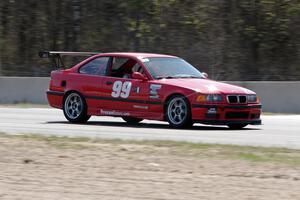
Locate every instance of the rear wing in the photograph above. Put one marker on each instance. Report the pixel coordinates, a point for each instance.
(56, 56)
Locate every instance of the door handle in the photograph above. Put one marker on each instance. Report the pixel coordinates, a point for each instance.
(109, 83)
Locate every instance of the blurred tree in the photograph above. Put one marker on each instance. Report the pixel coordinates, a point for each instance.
(229, 39)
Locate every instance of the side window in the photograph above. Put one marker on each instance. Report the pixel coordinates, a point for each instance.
(137, 68)
(118, 63)
(123, 67)
(95, 67)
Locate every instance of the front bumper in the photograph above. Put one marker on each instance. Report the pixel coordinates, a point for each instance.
(227, 114)
(229, 122)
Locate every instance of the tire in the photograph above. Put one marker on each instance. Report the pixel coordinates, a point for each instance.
(236, 126)
(75, 108)
(178, 112)
(132, 120)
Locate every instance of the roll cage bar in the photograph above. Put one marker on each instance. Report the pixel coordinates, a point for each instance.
(57, 56)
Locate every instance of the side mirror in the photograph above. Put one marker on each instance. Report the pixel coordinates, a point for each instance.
(205, 74)
(139, 76)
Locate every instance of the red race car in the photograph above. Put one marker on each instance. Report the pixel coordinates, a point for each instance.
(137, 86)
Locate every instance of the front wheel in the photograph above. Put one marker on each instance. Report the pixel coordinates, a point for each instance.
(237, 126)
(178, 112)
(75, 108)
(132, 120)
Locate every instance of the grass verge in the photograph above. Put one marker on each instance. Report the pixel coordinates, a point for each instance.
(24, 105)
(194, 150)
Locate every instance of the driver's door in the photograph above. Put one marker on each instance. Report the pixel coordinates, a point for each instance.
(124, 96)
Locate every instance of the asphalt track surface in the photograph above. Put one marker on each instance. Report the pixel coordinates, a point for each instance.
(276, 131)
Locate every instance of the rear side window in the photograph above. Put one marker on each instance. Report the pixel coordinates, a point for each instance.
(97, 66)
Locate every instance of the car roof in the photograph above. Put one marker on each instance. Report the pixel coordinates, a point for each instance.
(136, 54)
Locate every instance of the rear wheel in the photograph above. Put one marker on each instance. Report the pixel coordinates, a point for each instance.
(237, 126)
(132, 120)
(75, 108)
(178, 112)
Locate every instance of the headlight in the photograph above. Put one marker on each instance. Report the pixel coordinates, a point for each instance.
(209, 98)
(252, 98)
(214, 97)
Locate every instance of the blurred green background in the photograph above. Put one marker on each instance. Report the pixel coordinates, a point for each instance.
(228, 39)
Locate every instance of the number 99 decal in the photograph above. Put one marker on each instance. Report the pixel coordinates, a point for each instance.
(121, 89)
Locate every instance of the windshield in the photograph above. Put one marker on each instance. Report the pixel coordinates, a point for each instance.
(171, 68)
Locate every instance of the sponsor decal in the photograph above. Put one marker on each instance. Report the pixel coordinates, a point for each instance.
(113, 112)
(212, 111)
(140, 107)
(136, 89)
(153, 91)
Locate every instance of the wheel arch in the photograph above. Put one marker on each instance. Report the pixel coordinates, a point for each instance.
(70, 91)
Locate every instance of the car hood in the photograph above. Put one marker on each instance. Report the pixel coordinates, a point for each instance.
(206, 86)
